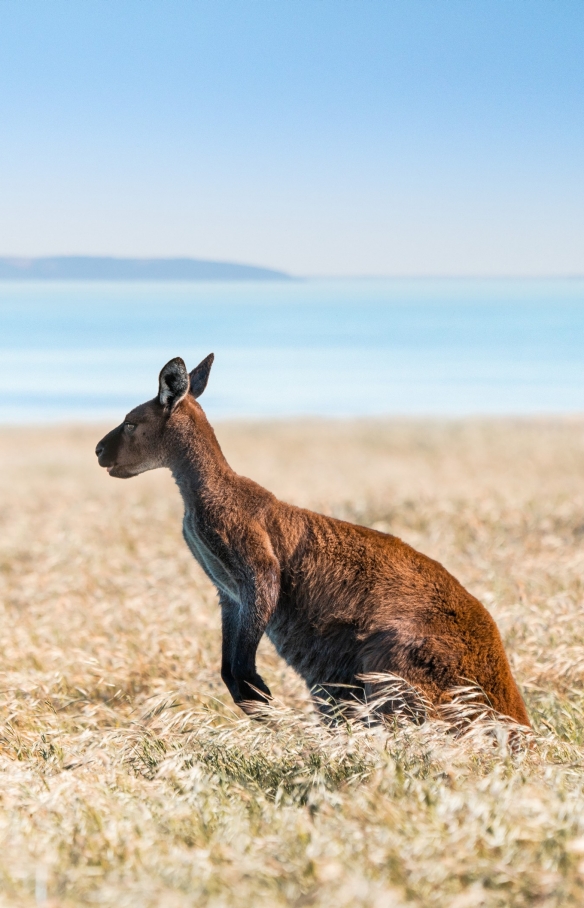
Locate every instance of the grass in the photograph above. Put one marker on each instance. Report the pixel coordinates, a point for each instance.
(129, 779)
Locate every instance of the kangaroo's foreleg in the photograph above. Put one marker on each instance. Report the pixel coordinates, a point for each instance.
(232, 640)
(229, 625)
(245, 626)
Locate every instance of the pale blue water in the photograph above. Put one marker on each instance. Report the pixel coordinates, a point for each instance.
(338, 348)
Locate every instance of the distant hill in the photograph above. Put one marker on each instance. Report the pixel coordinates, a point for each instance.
(97, 268)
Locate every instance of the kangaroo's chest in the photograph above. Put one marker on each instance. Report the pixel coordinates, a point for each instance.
(214, 567)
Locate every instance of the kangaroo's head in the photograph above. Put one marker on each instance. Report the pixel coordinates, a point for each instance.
(140, 442)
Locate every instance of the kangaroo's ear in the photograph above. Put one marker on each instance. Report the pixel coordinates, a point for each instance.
(173, 383)
(200, 375)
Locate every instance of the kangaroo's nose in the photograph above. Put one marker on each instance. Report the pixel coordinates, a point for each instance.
(100, 449)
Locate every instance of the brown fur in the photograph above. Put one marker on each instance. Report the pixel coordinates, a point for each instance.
(338, 601)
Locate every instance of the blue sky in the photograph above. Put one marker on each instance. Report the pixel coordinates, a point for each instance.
(339, 137)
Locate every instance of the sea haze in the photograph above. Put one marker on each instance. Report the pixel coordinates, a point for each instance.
(92, 350)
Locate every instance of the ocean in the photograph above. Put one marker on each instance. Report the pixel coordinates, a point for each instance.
(360, 347)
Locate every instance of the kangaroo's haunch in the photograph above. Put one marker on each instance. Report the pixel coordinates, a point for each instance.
(337, 600)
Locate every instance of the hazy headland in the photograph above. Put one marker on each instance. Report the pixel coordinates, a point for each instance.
(129, 778)
(115, 268)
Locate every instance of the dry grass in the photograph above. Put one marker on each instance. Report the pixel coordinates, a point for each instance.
(129, 779)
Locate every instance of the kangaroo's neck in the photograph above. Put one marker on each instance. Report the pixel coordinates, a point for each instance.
(197, 461)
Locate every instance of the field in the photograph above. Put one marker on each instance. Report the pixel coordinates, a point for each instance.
(129, 779)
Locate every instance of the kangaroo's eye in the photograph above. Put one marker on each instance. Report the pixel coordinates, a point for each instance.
(129, 427)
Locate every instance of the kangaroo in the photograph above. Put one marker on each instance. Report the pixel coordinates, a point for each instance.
(338, 601)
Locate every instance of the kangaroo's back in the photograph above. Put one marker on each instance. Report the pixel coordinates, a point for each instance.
(355, 601)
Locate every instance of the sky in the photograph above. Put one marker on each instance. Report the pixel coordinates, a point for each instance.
(320, 137)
